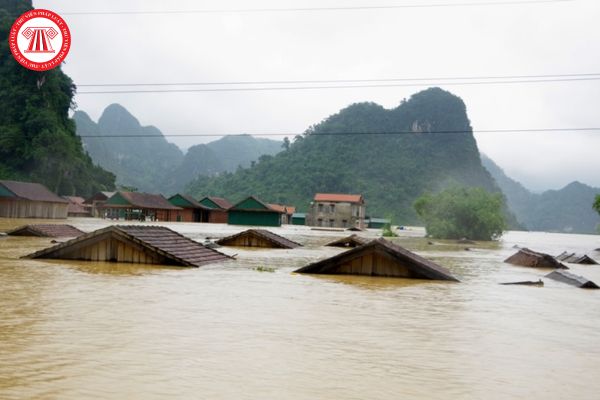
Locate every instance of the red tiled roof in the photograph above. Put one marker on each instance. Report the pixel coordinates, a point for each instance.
(221, 202)
(282, 208)
(32, 191)
(350, 198)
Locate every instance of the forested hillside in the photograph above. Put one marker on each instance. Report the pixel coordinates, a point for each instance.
(143, 161)
(566, 210)
(148, 162)
(37, 137)
(390, 156)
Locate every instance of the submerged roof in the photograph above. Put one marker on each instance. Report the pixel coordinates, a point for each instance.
(163, 242)
(348, 241)
(399, 262)
(76, 205)
(142, 200)
(529, 258)
(46, 230)
(575, 258)
(31, 191)
(275, 240)
(350, 198)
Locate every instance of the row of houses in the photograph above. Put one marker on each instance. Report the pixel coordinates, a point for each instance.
(33, 200)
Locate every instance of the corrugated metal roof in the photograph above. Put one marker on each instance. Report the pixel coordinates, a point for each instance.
(176, 248)
(278, 241)
(191, 200)
(147, 200)
(529, 258)
(419, 266)
(32, 191)
(46, 230)
(350, 198)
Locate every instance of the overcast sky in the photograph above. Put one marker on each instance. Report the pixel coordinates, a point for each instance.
(459, 41)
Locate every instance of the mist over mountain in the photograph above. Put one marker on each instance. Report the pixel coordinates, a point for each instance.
(357, 151)
(148, 162)
(566, 210)
(142, 160)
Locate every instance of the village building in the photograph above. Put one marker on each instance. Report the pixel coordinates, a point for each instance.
(576, 258)
(30, 200)
(140, 206)
(380, 257)
(138, 244)
(337, 211)
(97, 202)
(286, 212)
(218, 209)
(529, 258)
(46, 230)
(191, 210)
(258, 238)
(377, 223)
(252, 211)
(349, 241)
(77, 208)
(299, 218)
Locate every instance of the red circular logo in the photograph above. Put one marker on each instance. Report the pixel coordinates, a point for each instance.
(39, 40)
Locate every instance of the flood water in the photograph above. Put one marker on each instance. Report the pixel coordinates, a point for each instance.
(78, 330)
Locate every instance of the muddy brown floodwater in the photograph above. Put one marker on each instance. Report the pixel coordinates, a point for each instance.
(78, 330)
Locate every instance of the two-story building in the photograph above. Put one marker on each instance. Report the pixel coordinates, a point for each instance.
(337, 211)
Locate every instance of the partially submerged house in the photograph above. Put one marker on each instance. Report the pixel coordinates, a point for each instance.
(30, 200)
(337, 211)
(529, 258)
(348, 241)
(258, 238)
(77, 208)
(299, 218)
(380, 257)
(377, 223)
(141, 206)
(572, 279)
(218, 209)
(252, 211)
(191, 210)
(138, 244)
(46, 230)
(285, 211)
(97, 201)
(576, 258)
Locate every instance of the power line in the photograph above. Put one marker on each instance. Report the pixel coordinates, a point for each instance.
(345, 133)
(223, 83)
(323, 87)
(313, 9)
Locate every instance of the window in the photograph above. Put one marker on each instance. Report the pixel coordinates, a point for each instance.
(320, 207)
(320, 222)
(345, 223)
(332, 208)
(331, 222)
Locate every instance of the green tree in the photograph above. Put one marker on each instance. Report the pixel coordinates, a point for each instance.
(597, 204)
(460, 212)
(37, 137)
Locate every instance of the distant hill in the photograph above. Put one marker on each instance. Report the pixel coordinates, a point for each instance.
(390, 170)
(143, 162)
(222, 155)
(566, 210)
(148, 162)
